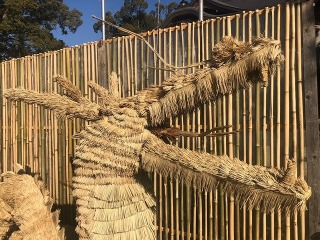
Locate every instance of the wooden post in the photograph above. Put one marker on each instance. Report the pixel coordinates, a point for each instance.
(102, 64)
(311, 114)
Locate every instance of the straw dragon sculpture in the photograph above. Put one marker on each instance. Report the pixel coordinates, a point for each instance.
(123, 138)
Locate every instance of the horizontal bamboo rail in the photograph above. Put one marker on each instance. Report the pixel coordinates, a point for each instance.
(266, 125)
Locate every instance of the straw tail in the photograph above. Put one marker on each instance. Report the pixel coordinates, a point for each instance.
(25, 209)
(234, 65)
(255, 185)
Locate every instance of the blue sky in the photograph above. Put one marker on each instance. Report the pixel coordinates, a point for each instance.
(85, 32)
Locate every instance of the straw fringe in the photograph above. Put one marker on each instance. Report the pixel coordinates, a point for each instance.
(113, 210)
(237, 70)
(253, 185)
(25, 208)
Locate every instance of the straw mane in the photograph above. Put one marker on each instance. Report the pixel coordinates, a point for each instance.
(124, 137)
(234, 65)
(25, 208)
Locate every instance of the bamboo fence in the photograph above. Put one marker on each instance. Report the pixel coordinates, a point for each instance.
(267, 123)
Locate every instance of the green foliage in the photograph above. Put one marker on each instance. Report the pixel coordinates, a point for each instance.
(26, 26)
(133, 16)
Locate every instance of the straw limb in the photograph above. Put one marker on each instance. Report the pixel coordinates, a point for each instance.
(254, 185)
(110, 97)
(71, 91)
(25, 209)
(237, 71)
(61, 105)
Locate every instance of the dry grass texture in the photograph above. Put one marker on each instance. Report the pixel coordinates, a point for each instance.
(25, 209)
(235, 65)
(256, 186)
(112, 201)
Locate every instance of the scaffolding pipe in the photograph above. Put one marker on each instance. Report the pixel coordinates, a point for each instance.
(103, 23)
(200, 10)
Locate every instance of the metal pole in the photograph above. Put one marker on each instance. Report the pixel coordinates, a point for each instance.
(103, 23)
(200, 10)
(158, 19)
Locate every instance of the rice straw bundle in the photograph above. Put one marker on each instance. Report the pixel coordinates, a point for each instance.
(25, 208)
(241, 66)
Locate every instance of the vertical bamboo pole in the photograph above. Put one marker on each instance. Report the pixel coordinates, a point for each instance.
(183, 140)
(2, 82)
(155, 58)
(227, 215)
(187, 127)
(177, 210)
(211, 214)
(271, 122)
(160, 31)
(250, 114)
(224, 115)
(182, 209)
(68, 126)
(287, 105)
(200, 214)
(200, 36)
(300, 93)
(237, 144)
(293, 81)
(155, 195)
(135, 65)
(212, 106)
(160, 207)
(244, 127)
(166, 217)
(300, 116)
(205, 55)
(278, 120)
(216, 215)
(128, 66)
(220, 152)
(143, 62)
(119, 61)
(14, 126)
(198, 140)
(194, 230)
(175, 120)
(171, 208)
(123, 68)
(258, 131)
(19, 108)
(188, 207)
(31, 116)
(212, 123)
(4, 132)
(206, 215)
(170, 49)
(230, 146)
(176, 38)
(293, 101)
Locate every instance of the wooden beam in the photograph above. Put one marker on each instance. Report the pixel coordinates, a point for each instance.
(102, 64)
(311, 114)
